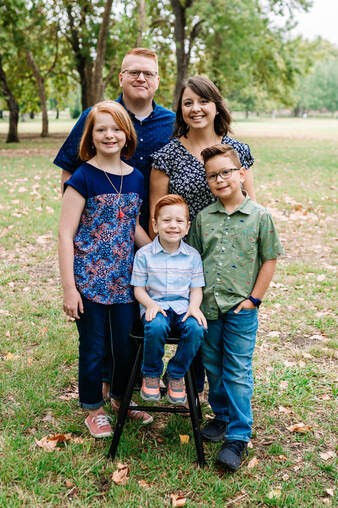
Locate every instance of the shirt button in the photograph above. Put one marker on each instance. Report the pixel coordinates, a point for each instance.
(141, 139)
(228, 217)
(141, 158)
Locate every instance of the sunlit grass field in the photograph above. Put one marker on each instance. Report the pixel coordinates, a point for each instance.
(293, 457)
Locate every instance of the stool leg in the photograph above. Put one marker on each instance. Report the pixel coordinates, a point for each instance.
(125, 402)
(193, 405)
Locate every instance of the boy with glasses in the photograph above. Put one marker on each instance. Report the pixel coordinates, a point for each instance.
(139, 81)
(239, 246)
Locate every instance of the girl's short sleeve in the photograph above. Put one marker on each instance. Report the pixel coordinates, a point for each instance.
(162, 159)
(79, 182)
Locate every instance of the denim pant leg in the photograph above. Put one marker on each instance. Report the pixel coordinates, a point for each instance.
(121, 319)
(239, 333)
(191, 334)
(91, 328)
(155, 334)
(212, 357)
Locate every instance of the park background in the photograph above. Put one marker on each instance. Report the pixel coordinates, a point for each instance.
(281, 88)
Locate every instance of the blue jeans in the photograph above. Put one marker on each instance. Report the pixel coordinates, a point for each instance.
(92, 328)
(155, 334)
(227, 356)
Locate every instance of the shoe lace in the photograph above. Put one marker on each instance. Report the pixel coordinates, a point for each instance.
(152, 382)
(101, 420)
(236, 446)
(176, 384)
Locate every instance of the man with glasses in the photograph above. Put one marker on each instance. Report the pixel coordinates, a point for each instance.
(139, 81)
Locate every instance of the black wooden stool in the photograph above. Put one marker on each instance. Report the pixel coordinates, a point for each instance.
(192, 396)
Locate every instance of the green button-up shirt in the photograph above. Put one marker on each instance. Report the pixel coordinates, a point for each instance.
(233, 247)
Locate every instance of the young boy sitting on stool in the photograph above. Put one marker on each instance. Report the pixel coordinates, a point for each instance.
(168, 279)
(239, 245)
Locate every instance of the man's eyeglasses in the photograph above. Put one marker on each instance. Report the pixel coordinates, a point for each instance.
(134, 73)
(225, 174)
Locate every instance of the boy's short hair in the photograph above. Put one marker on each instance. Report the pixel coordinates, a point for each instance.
(220, 149)
(145, 52)
(170, 199)
(121, 118)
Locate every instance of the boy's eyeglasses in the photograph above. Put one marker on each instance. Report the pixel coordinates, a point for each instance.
(134, 74)
(225, 174)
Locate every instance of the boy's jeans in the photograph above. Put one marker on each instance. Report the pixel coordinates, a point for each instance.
(155, 334)
(227, 356)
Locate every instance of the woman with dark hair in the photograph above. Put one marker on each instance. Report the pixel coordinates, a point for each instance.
(202, 120)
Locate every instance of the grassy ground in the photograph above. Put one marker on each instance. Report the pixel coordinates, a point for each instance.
(295, 359)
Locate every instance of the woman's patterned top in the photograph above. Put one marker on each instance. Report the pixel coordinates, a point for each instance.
(186, 173)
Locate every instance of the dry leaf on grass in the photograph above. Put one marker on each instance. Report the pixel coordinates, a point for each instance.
(184, 439)
(177, 500)
(143, 484)
(275, 494)
(330, 492)
(330, 454)
(253, 463)
(50, 442)
(300, 428)
(120, 475)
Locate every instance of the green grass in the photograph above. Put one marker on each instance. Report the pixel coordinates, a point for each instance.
(295, 359)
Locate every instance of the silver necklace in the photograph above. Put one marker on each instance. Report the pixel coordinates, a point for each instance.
(120, 213)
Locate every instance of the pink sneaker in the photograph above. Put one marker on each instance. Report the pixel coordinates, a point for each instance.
(176, 392)
(98, 425)
(136, 415)
(150, 388)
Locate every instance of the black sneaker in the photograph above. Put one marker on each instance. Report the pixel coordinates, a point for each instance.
(214, 430)
(232, 453)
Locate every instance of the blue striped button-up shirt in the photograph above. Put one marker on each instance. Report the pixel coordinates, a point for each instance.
(168, 276)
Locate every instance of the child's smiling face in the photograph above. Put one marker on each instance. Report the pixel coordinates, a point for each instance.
(224, 177)
(171, 225)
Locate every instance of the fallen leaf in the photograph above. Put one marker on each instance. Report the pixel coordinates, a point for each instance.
(50, 442)
(177, 500)
(69, 484)
(120, 475)
(285, 477)
(300, 428)
(275, 494)
(253, 463)
(330, 492)
(284, 410)
(330, 454)
(184, 439)
(143, 484)
(283, 385)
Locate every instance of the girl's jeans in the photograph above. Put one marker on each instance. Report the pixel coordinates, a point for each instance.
(227, 356)
(92, 327)
(155, 334)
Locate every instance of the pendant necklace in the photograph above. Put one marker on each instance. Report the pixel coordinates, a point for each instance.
(120, 213)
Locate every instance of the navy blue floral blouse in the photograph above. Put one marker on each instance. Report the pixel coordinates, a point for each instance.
(104, 241)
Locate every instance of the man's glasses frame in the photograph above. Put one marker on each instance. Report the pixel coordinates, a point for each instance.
(135, 73)
(225, 174)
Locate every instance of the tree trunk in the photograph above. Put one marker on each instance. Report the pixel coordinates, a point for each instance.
(97, 78)
(141, 22)
(40, 82)
(179, 35)
(13, 106)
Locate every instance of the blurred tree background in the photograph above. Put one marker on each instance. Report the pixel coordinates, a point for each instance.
(66, 54)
